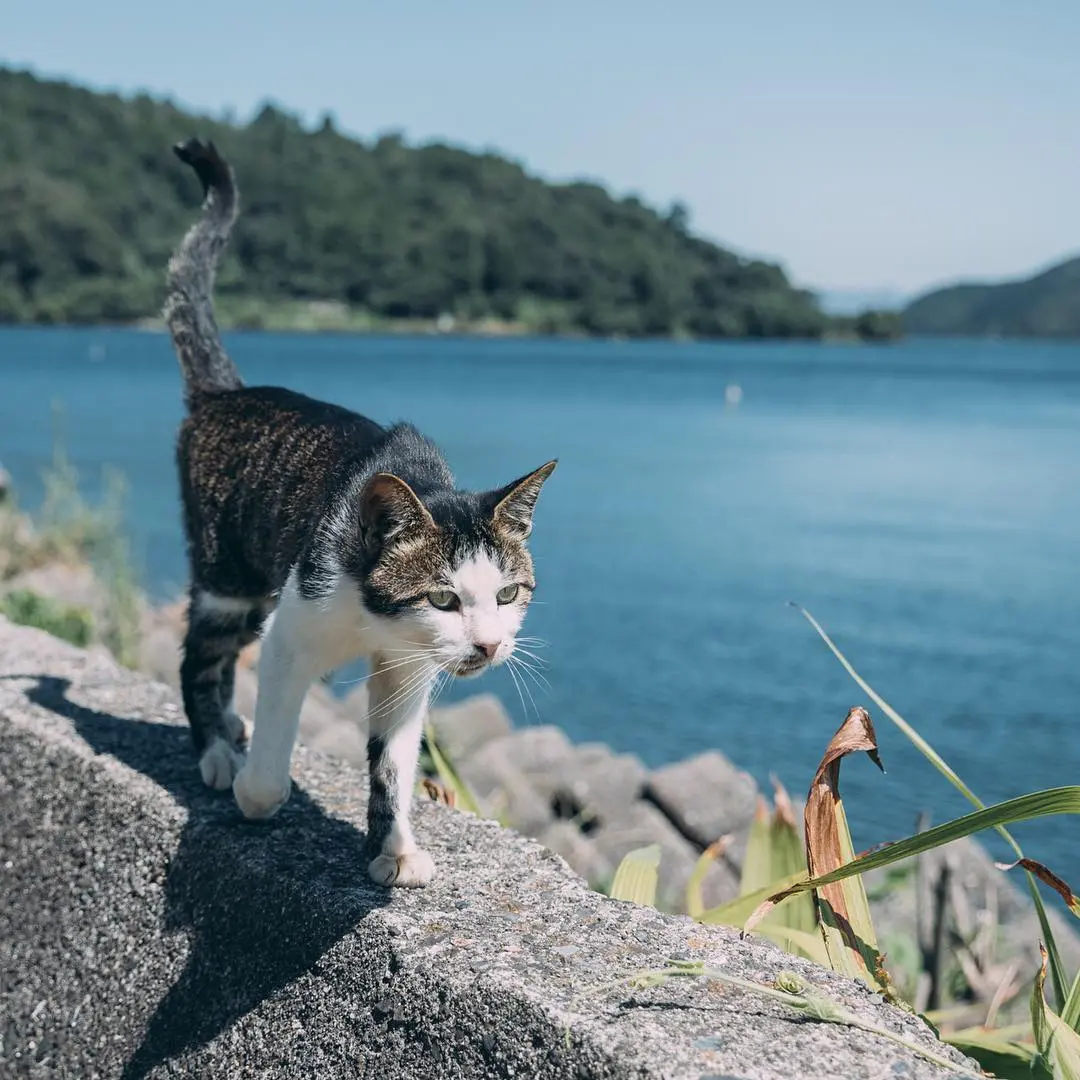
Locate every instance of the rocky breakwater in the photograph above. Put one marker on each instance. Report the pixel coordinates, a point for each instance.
(593, 805)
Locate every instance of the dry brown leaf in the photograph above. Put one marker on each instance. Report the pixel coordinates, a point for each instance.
(842, 906)
(1045, 874)
(438, 792)
(823, 844)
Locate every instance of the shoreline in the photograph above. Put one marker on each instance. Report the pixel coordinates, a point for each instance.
(319, 318)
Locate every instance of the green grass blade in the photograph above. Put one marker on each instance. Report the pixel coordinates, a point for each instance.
(1070, 1011)
(789, 857)
(757, 862)
(637, 876)
(695, 902)
(1057, 969)
(774, 852)
(1057, 1043)
(448, 775)
(736, 912)
(809, 944)
(1004, 1058)
(1053, 801)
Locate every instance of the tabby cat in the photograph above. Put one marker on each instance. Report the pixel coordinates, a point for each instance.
(333, 538)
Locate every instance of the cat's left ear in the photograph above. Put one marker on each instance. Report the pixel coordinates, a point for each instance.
(389, 507)
(514, 504)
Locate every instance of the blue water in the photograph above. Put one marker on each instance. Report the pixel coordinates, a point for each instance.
(923, 501)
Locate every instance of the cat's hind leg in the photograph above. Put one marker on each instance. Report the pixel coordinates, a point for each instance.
(218, 628)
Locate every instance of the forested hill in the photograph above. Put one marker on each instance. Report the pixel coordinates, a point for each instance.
(92, 201)
(1046, 305)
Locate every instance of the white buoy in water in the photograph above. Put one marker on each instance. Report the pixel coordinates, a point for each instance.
(732, 394)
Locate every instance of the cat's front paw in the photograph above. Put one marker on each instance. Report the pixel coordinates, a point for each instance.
(219, 763)
(258, 798)
(238, 728)
(412, 871)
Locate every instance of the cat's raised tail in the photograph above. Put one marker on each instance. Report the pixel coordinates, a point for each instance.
(189, 306)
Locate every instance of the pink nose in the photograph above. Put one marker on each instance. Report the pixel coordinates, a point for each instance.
(488, 650)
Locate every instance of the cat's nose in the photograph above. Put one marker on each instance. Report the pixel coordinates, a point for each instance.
(488, 650)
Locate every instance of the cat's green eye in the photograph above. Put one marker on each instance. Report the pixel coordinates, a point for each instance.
(507, 594)
(443, 599)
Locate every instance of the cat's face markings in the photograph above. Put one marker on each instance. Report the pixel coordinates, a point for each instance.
(455, 580)
(461, 609)
(480, 628)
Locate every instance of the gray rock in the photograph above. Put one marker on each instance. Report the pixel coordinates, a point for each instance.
(504, 792)
(704, 796)
(514, 775)
(464, 727)
(336, 727)
(539, 753)
(643, 824)
(582, 855)
(596, 785)
(147, 930)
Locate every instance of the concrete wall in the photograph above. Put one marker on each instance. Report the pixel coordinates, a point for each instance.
(146, 930)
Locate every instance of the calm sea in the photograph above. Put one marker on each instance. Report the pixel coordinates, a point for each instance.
(923, 501)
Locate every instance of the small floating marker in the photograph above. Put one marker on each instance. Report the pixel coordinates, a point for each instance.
(732, 394)
(97, 353)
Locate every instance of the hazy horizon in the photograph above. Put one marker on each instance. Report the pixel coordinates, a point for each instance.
(876, 152)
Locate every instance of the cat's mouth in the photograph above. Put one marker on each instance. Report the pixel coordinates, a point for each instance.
(463, 669)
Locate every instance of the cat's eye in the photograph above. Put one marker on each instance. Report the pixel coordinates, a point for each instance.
(443, 599)
(507, 594)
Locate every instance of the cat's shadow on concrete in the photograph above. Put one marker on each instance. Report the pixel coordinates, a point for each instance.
(259, 903)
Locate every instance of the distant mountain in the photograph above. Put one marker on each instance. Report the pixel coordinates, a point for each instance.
(92, 202)
(1046, 305)
(854, 301)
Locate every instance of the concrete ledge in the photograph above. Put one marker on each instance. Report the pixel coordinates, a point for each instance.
(146, 930)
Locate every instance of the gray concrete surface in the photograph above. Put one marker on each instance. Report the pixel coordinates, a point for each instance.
(146, 930)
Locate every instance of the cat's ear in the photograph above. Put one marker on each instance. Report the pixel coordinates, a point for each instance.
(389, 507)
(513, 505)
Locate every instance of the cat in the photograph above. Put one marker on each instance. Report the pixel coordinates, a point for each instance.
(334, 539)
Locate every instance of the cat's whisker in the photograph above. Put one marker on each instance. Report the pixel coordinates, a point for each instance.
(384, 667)
(538, 660)
(536, 678)
(413, 683)
(517, 686)
(529, 694)
(536, 663)
(403, 695)
(441, 684)
(539, 680)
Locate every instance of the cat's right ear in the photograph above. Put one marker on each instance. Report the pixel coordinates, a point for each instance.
(389, 507)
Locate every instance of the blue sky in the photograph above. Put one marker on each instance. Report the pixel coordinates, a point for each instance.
(866, 145)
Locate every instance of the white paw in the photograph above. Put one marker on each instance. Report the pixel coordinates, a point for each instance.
(238, 728)
(412, 871)
(219, 764)
(259, 798)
